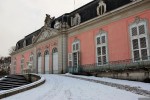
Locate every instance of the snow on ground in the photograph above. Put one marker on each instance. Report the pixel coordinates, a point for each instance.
(142, 85)
(59, 87)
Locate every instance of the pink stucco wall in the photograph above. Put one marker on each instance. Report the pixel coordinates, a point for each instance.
(118, 40)
(18, 60)
(47, 45)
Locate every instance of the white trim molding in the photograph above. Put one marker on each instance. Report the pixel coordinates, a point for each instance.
(101, 48)
(139, 39)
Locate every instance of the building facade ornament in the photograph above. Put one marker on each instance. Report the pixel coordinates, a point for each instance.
(45, 34)
(57, 25)
(137, 20)
(33, 38)
(76, 20)
(101, 8)
(48, 20)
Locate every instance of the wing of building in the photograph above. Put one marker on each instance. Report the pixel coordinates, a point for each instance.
(106, 37)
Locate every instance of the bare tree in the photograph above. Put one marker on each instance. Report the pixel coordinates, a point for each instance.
(12, 49)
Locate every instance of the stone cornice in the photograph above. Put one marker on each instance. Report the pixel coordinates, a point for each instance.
(108, 15)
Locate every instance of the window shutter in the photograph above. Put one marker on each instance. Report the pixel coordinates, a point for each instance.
(69, 59)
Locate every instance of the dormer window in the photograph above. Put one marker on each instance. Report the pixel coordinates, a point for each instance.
(24, 43)
(17, 46)
(33, 38)
(76, 20)
(101, 8)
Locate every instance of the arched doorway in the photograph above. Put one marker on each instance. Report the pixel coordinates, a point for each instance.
(46, 62)
(39, 59)
(55, 60)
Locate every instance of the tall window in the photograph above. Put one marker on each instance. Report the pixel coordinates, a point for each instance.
(75, 46)
(139, 40)
(14, 65)
(22, 64)
(31, 57)
(101, 48)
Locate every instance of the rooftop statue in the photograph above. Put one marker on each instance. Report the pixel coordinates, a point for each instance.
(48, 20)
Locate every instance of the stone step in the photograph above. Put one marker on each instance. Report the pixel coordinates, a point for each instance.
(13, 83)
(14, 80)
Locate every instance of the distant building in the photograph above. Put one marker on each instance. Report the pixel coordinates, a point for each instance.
(106, 37)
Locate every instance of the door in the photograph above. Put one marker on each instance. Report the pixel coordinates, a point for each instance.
(55, 61)
(46, 63)
(75, 59)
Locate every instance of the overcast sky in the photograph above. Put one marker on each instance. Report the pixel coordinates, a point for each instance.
(19, 18)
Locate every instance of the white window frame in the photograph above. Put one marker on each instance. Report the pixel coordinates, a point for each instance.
(100, 34)
(136, 24)
(75, 43)
(22, 64)
(70, 59)
(31, 57)
(76, 51)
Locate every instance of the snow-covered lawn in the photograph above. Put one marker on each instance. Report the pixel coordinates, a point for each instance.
(145, 86)
(59, 87)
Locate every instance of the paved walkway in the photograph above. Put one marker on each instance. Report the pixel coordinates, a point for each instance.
(135, 90)
(58, 87)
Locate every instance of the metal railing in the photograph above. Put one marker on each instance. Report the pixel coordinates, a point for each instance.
(120, 65)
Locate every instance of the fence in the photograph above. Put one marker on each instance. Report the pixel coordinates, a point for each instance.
(120, 65)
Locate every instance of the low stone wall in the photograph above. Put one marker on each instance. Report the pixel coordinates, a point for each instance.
(32, 77)
(36, 79)
(139, 75)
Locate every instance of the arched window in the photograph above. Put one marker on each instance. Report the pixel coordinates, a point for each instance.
(101, 48)
(22, 64)
(139, 40)
(46, 52)
(31, 57)
(55, 50)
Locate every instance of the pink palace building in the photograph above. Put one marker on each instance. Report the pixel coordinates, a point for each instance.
(104, 38)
